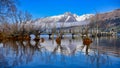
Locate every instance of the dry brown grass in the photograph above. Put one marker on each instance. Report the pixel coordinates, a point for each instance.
(87, 41)
(58, 40)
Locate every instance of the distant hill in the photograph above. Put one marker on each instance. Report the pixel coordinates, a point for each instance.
(107, 21)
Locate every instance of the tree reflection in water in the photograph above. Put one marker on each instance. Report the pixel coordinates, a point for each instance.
(18, 53)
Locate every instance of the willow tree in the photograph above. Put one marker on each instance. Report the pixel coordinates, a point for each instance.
(11, 17)
(7, 7)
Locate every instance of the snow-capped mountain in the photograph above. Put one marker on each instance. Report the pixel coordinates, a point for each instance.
(64, 20)
(66, 17)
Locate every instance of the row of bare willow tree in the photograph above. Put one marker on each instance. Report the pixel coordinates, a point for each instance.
(11, 18)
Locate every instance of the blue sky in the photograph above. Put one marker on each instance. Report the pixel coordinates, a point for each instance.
(43, 8)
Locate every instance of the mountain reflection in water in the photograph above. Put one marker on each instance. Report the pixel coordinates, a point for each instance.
(103, 52)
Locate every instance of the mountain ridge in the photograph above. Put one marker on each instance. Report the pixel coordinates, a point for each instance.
(66, 17)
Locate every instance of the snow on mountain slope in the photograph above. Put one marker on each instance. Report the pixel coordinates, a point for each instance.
(84, 17)
(66, 17)
(64, 20)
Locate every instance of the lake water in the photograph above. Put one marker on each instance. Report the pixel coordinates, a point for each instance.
(104, 52)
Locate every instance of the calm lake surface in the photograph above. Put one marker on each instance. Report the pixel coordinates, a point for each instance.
(104, 52)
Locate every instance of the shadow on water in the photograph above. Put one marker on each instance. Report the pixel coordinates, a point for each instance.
(82, 52)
